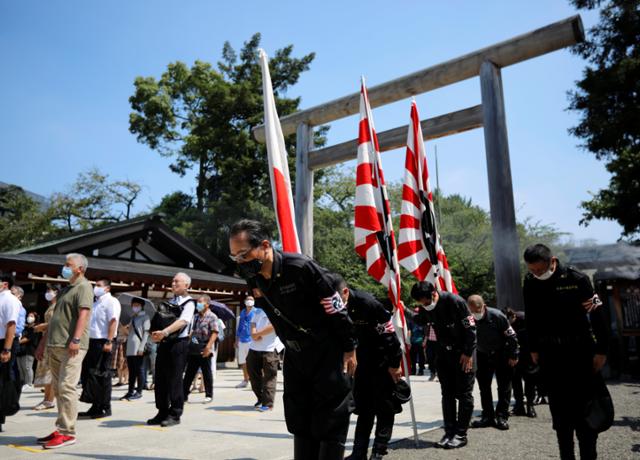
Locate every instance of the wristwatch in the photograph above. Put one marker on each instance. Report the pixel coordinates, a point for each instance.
(6, 350)
(75, 340)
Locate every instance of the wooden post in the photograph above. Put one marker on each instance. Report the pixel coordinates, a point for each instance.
(506, 250)
(304, 188)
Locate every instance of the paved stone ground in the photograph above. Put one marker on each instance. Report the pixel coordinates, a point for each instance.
(533, 438)
(229, 428)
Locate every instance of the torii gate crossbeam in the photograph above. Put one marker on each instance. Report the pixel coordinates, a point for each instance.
(485, 63)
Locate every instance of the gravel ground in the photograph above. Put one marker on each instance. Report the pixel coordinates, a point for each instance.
(534, 438)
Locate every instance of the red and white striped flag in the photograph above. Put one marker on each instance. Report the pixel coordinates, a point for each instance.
(419, 248)
(374, 238)
(278, 165)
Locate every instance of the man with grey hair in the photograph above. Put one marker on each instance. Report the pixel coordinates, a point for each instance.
(172, 355)
(67, 339)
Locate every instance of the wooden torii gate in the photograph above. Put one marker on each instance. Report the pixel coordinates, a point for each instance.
(485, 63)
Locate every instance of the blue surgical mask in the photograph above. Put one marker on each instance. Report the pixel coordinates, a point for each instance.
(67, 272)
(200, 307)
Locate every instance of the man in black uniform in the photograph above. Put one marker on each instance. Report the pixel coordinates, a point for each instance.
(379, 354)
(568, 337)
(525, 371)
(309, 316)
(456, 331)
(497, 355)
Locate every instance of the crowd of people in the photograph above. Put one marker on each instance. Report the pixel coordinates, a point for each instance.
(337, 347)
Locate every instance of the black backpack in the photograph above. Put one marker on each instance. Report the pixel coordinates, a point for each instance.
(166, 314)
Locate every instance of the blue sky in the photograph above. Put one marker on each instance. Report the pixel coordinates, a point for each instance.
(69, 68)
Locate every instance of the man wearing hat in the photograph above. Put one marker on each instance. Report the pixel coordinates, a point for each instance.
(378, 370)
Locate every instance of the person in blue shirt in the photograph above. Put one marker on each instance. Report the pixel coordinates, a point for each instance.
(243, 338)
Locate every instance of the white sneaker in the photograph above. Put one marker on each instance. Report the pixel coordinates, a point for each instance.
(27, 387)
(242, 384)
(207, 400)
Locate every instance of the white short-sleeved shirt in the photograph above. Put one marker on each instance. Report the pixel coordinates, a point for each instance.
(9, 310)
(269, 342)
(104, 310)
(187, 313)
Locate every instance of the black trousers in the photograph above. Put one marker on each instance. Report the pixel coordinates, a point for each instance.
(135, 364)
(170, 363)
(263, 374)
(455, 386)
(317, 394)
(567, 374)
(418, 357)
(372, 392)
(9, 368)
(100, 360)
(521, 375)
(431, 356)
(195, 362)
(488, 366)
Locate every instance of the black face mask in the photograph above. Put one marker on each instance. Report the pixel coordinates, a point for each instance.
(250, 269)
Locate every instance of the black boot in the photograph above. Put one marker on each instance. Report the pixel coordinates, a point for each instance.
(518, 410)
(305, 448)
(360, 448)
(331, 450)
(378, 451)
(531, 412)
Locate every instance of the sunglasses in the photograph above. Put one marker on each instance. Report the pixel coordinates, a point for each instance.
(241, 256)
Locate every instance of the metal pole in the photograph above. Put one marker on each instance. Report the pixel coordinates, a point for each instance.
(411, 407)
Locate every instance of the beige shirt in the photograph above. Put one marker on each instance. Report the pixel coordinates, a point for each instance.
(75, 296)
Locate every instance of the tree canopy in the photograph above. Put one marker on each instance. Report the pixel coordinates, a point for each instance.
(201, 117)
(608, 100)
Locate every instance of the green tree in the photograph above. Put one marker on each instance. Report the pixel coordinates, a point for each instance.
(608, 99)
(93, 200)
(202, 117)
(23, 221)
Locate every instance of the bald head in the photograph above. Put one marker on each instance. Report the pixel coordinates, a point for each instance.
(476, 304)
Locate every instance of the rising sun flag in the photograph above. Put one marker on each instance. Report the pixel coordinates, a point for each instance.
(419, 249)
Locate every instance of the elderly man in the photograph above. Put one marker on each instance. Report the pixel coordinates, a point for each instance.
(103, 329)
(67, 339)
(310, 317)
(171, 359)
(497, 354)
(9, 310)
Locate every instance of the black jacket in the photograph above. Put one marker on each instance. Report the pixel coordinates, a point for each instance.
(495, 334)
(377, 341)
(454, 325)
(556, 317)
(300, 289)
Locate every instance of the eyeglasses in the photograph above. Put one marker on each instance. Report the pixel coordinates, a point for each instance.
(241, 256)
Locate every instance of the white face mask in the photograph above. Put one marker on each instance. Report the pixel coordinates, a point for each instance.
(478, 316)
(430, 307)
(136, 310)
(249, 303)
(98, 291)
(30, 319)
(49, 296)
(545, 276)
